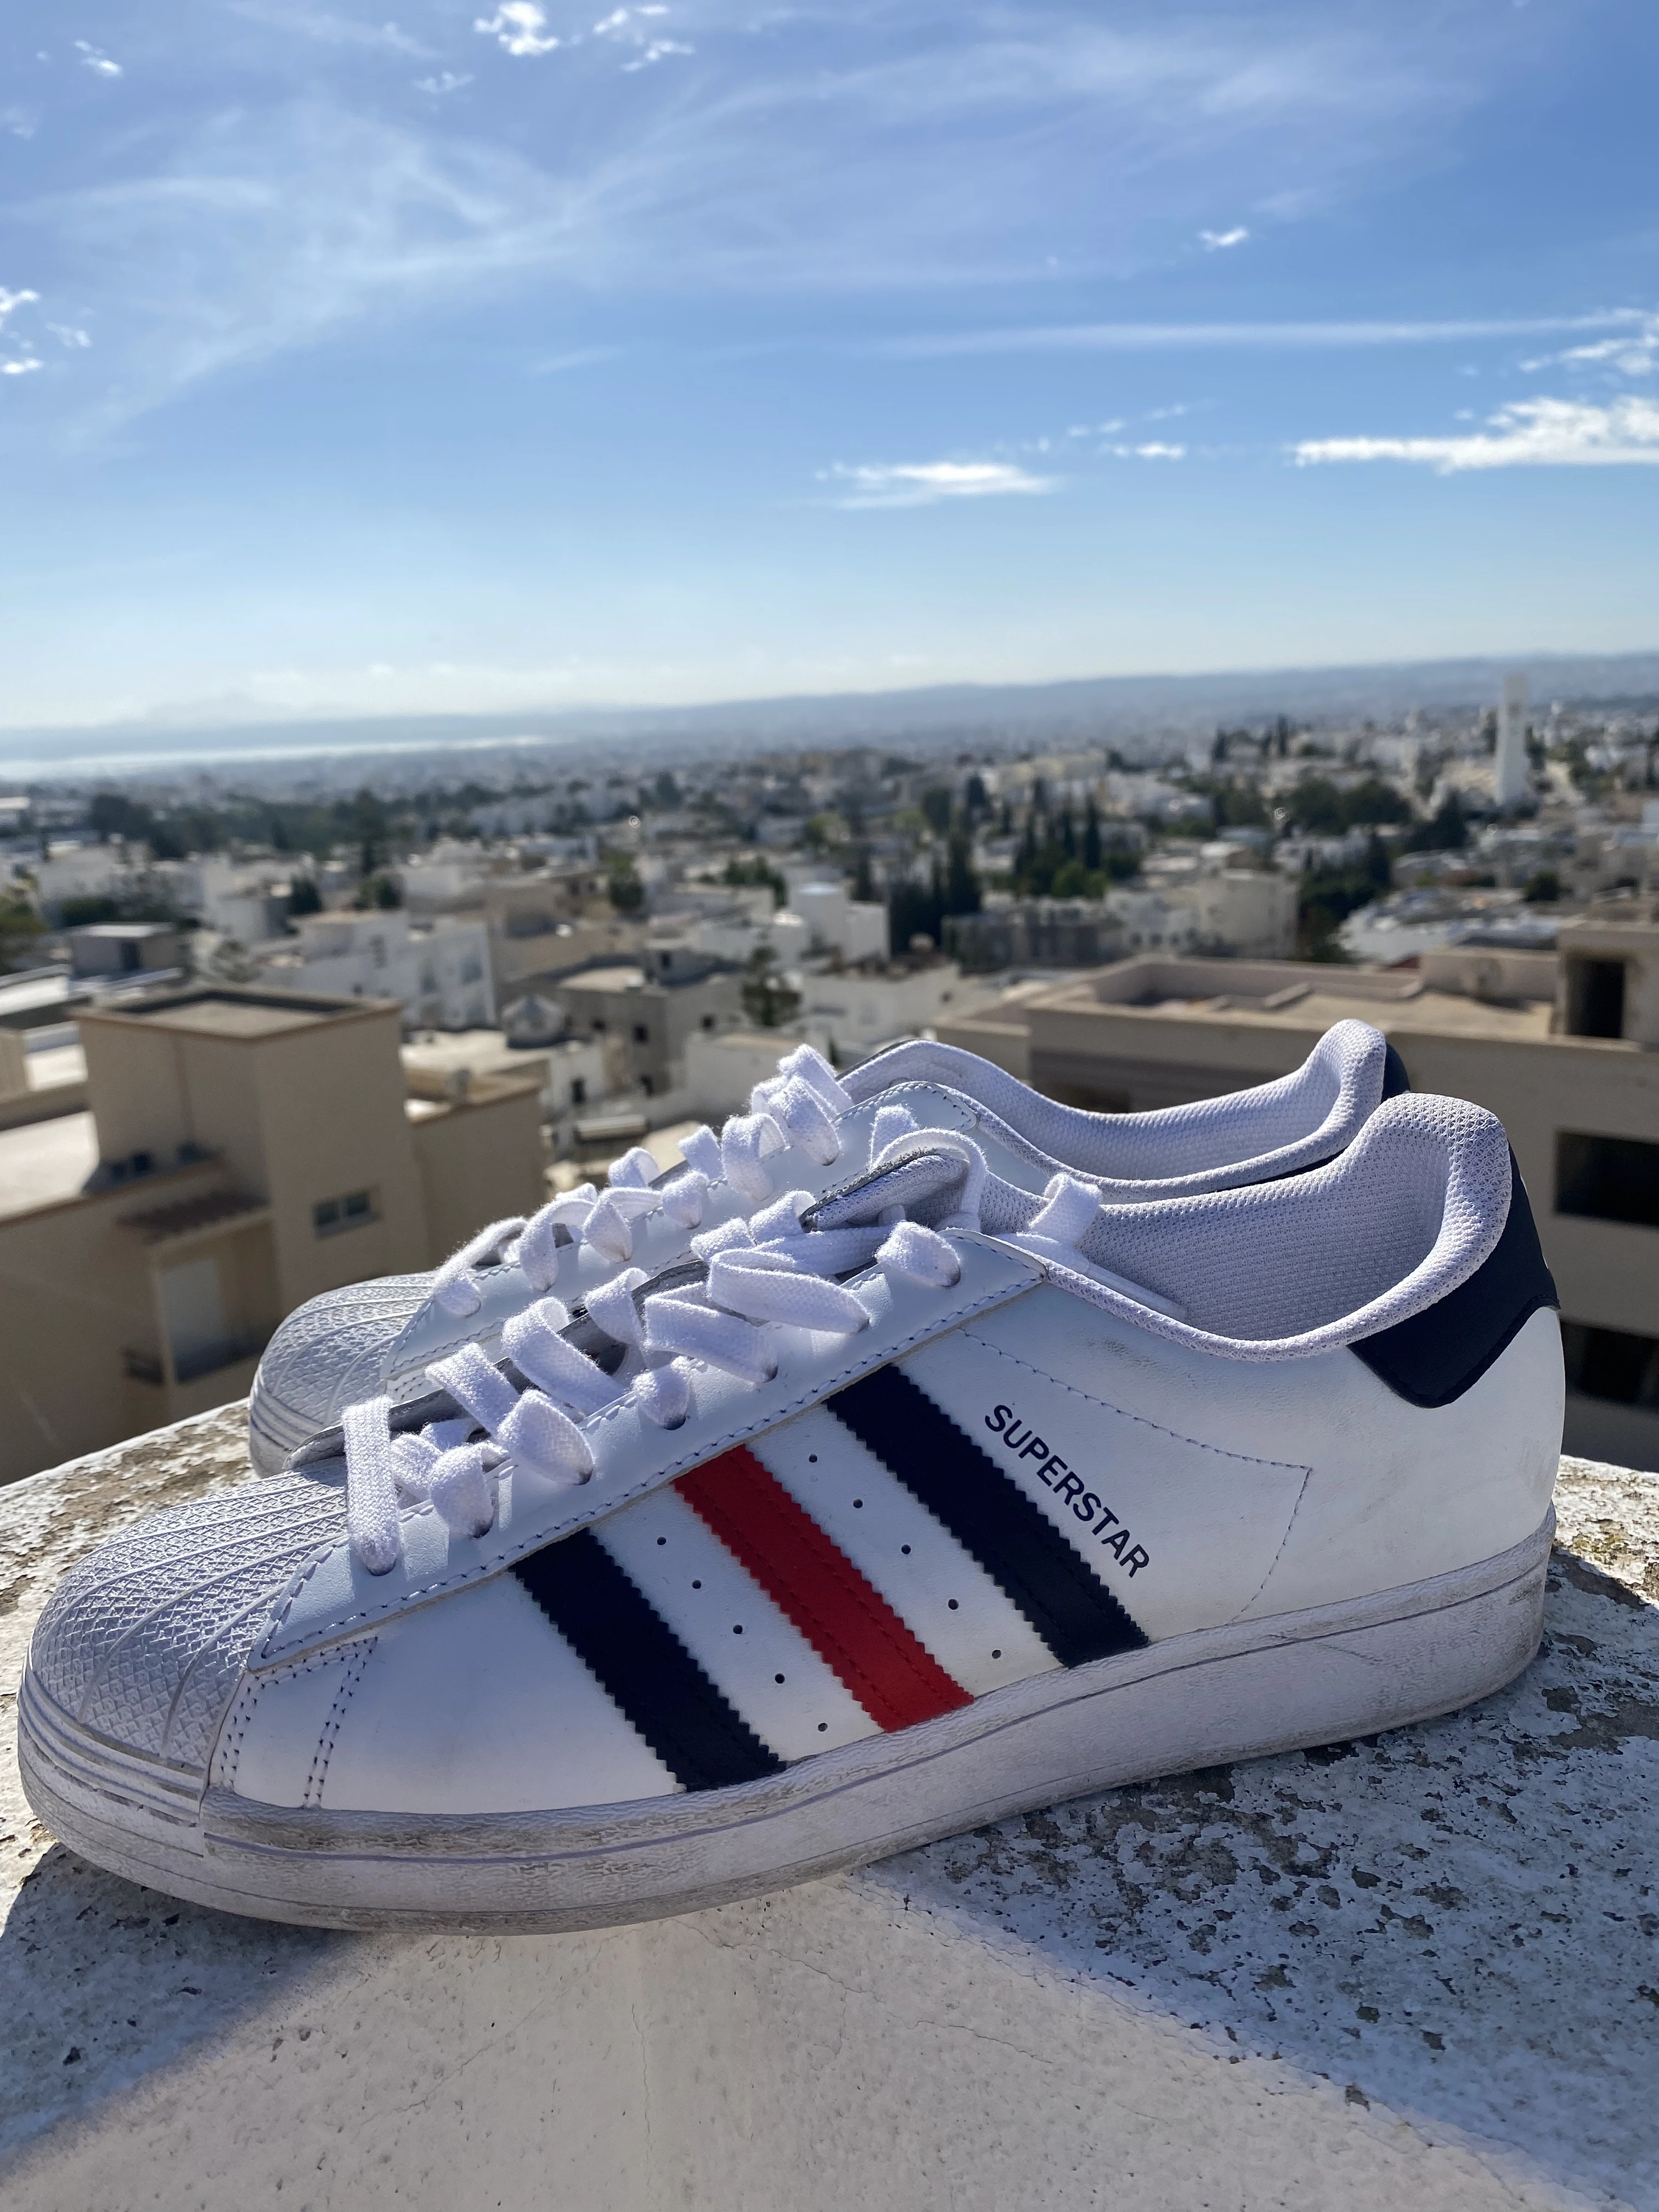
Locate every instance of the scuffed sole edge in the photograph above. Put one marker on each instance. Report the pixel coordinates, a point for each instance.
(1207, 1699)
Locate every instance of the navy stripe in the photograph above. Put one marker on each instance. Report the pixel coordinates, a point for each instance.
(643, 1665)
(1069, 1607)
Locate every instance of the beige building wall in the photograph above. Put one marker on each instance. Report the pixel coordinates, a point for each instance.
(479, 1161)
(77, 1295)
(148, 1248)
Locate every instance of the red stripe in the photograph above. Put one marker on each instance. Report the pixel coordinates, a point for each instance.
(842, 1616)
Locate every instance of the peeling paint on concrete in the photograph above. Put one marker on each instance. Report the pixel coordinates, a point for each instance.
(1423, 1967)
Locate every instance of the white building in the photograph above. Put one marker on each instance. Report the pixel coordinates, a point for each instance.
(1152, 921)
(856, 929)
(80, 871)
(856, 1009)
(244, 899)
(452, 873)
(736, 935)
(1250, 912)
(1509, 778)
(438, 970)
(723, 1068)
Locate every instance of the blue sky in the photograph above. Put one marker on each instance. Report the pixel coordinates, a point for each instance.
(479, 357)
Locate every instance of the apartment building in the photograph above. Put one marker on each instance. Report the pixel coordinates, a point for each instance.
(1563, 1048)
(858, 1008)
(438, 969)
(239, 1151)
(552, 921)
(1036, 933)
(648, 1014)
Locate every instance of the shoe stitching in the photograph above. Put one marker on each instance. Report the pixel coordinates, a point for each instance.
(355, 1665)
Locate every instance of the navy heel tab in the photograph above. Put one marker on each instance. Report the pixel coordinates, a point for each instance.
(1434, 1356)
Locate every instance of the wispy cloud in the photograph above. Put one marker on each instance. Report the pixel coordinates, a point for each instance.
(329, 29)
(924, 484)
(1154, 337)
(1153, 450)
(96, 60)
(272, 232)
(1532, 433)
(560, 364)
(1217, 242)
(1632, 354)
(446, 81)
(637, 27)
(23, 363)
(520, 27)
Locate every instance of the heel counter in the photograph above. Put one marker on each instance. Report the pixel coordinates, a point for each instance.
(1433, 1358)
(1411, 1491)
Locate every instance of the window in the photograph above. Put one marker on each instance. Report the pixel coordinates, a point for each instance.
(642, 1035)
(331, 1216)
(708, 1021)
(1611, 1362)
(578, 1092)
(1596, 998)
(1607, 1178)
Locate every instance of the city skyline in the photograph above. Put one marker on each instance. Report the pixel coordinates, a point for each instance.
(481, 361)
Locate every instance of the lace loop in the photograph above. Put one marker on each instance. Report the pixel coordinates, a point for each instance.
(798, 1106)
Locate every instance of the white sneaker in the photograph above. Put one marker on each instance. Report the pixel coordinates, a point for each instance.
(804, 1130)
(945, 1504)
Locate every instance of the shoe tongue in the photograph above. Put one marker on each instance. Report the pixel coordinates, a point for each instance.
(923, 1182)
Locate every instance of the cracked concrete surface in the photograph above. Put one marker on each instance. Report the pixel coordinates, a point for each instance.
(1427, 1964)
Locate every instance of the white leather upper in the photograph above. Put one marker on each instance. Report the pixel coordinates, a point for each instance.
(337, 1596)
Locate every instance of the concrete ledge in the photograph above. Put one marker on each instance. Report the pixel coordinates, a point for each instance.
(1423, 1969)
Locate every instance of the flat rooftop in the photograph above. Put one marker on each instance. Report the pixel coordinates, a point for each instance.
(627, 978)
(244, 1015)
(1447, 1013)
(46, 1162)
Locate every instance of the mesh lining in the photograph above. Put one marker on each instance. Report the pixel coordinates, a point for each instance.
(1282, 1270)
(1214, 1143)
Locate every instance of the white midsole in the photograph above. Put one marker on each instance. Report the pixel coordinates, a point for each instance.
(1201, 1699)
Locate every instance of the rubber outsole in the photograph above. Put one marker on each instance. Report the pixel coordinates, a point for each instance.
(1202, 1699)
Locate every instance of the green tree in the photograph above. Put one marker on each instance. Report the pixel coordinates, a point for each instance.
(627, 892)
(769, 999)
(113, 814)
(752, 874)
(961, 888)
(1447, 832)
(1091, 852)
(20, 930)
(369, 830)
(303, 896)
(1543, 889)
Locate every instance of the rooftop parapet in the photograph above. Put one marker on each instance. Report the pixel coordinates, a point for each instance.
(1420, 1969)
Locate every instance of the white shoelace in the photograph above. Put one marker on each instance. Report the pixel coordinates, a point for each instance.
(798, 1106)
(778, 1276)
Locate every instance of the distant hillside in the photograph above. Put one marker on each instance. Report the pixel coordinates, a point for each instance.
(1155, 711)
